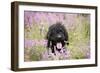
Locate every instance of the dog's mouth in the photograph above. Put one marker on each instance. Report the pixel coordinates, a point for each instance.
(59, 45)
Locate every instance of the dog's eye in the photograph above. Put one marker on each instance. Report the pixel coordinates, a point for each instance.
(59, 30)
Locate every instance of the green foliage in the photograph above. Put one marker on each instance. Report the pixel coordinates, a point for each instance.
(35, 31)
(79, 38)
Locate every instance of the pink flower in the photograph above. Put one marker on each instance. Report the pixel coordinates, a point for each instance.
(29, 43)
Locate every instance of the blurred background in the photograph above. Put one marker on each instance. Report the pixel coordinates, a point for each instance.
(36, 26)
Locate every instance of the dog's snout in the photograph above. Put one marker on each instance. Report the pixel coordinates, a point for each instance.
(59, 36)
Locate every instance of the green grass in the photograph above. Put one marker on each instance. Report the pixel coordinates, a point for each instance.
(79, 37)
(36, 53)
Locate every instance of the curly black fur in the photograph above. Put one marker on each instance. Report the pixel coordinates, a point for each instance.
(56, 33)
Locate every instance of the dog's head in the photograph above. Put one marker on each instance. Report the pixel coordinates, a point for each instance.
(57, 36)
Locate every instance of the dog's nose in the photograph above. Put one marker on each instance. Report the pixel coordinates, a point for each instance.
(59, 36)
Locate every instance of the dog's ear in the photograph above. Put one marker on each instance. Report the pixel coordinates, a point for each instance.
(66, 36)
(49, 40)
(48, 33)
(49, 44)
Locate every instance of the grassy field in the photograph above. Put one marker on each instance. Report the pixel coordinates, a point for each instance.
(78, 27)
